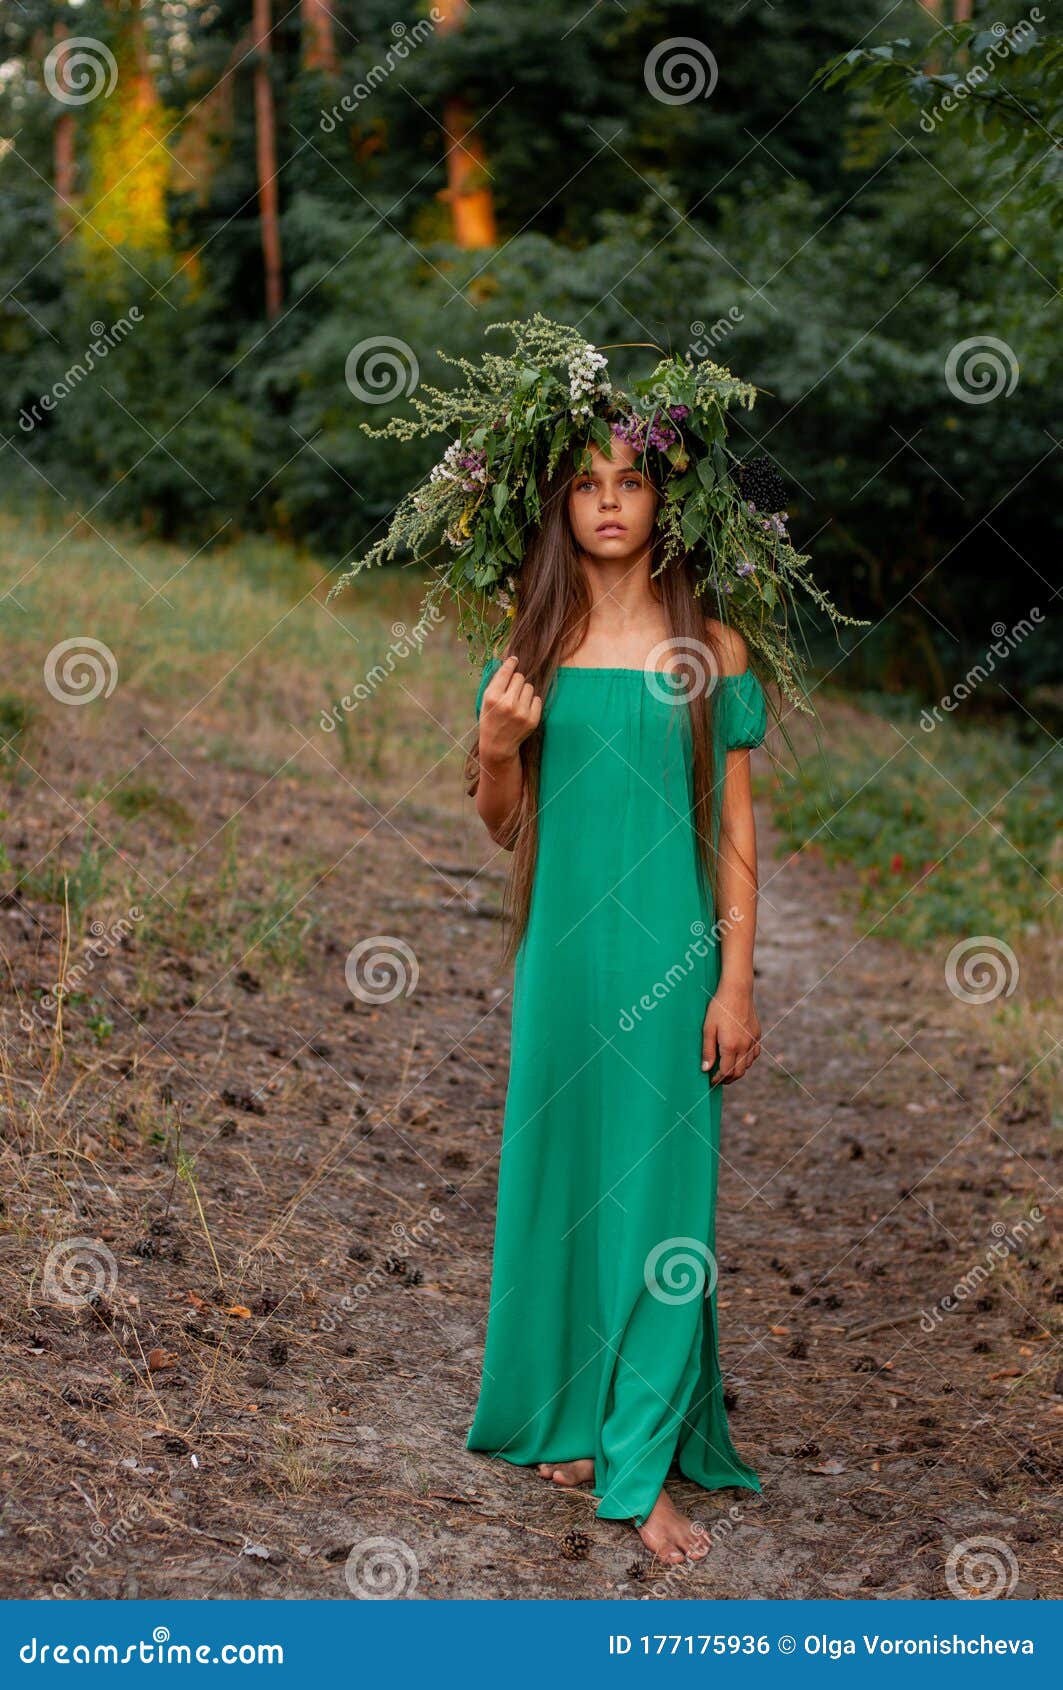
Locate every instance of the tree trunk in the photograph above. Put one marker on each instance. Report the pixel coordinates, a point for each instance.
(206, 133)
(468, 193)
(64, 158)
(266, 159)
(319, 37)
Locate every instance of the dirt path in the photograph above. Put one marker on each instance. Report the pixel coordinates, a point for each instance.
(183, 1437)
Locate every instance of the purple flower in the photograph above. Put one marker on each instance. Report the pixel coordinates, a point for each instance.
(662, 437)
(630, 430)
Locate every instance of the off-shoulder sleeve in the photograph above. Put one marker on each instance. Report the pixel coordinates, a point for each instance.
(745, 713)
(489, 668)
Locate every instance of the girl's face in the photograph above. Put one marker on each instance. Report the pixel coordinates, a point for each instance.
(612, 508)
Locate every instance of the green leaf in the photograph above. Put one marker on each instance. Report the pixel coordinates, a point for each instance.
(557, 439)
(601, 433)
(707, 473)
(694, 524)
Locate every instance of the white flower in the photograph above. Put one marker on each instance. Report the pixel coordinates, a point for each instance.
(585, 379)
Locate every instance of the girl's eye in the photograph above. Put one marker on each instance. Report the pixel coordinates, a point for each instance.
(629, 481)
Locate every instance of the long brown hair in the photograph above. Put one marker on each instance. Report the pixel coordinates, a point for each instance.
(553, 608)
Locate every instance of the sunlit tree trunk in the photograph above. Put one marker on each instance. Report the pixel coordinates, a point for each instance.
(319, 36)
(266, 158)
(467, 192)
(126, 168)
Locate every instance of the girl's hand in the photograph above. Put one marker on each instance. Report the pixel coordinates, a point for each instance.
(731, 1031)
(509, 712)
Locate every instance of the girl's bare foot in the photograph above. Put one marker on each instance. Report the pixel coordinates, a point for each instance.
(568, 1473)
(671, 1536)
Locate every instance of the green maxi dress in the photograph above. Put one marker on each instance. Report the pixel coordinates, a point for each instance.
(601, 1334)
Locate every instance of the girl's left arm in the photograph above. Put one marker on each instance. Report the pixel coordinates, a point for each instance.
(731, 1030)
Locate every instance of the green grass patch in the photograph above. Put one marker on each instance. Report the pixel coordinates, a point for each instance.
(237, 912)
(16, 714)
(140, 798)
(951, 832)
(76, 885)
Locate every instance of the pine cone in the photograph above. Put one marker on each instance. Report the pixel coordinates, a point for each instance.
(574, 1545)
(759, 481)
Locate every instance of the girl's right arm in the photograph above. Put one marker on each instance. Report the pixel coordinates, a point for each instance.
(509, 712)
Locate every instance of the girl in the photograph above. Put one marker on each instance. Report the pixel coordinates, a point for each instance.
(613, 761)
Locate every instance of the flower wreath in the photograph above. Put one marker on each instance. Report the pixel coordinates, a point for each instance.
(515, 417)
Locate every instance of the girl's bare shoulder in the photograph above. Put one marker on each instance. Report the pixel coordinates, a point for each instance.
(728, 646)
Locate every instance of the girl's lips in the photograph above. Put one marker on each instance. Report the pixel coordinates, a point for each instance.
(611, 528)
